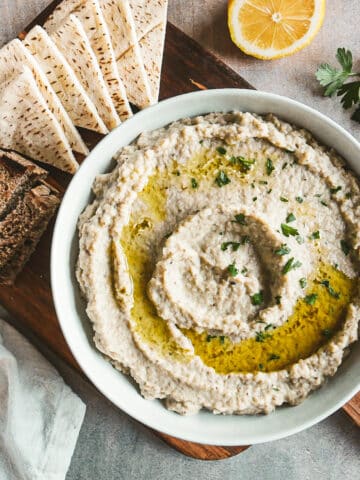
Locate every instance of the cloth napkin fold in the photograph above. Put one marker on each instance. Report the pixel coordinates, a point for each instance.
(40, 417)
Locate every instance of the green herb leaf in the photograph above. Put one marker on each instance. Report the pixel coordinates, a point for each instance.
(269, 166)
(290, 218)
(263, 182)
(274, 356)
(324, 203)
(257, 298)
(287, 230)
(315, 235)
(283, 199)
(269, 326)
(240, 218)
(335, 190)
(290, 265)
(311, 299)
(303, 282)
(244, 271)
(345, 247)
(261, 366)
(194, 183)
(244, 163)
(232, 270)
(327, 333)
(221, 150)
(210, 337)
(334, 79)
(299, 199)
(283, 250)
(300, 240)
(278, 299)
(261, 336)
(235, 246)
(222, 339)
(329, 288)
(222, 179)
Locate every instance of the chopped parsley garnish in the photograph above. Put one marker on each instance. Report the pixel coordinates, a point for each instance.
(257, 298)
(240, 218)
(315, 235)
(311, 298)
(263, 182)
(269, 326)
(269, 191)
(303, 282)
(245, 239)
(284, 165)
(327, 333)
(283, 250)
(324, 203)
(291, 264)
(254, 199)
(210, 337)
(261, 366)
(221, 150)
(244, 163)
(222, 339)
(261, 336)
(348, 195)
(194, 183)
(287, 230)
(269, 166)
(244, 271)
(283, 199)
(300, 240)
(234, 245)
(274, 356)
(299, 199)
(335, 190)
(222, 179)
(288, 150)
(290, 218)
(278, 299)
(345, 247)
(329, 288)
(232, 270)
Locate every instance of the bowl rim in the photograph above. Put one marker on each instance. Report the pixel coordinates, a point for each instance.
(57, 248)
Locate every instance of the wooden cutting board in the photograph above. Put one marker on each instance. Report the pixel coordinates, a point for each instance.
(187, 67)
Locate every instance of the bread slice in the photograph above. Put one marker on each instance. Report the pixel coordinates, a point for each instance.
(90, 14)
(17, 174)
(31, 202)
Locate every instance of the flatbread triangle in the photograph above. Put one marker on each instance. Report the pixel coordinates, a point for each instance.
(91, 16)
(13, 56)
(72, 41)
(29, 127)
(77, 103)
(150, 22)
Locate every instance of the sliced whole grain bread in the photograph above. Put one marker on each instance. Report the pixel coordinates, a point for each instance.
(17, 174)
(30, 205)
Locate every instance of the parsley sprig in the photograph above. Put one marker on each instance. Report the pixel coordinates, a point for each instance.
(333, 79)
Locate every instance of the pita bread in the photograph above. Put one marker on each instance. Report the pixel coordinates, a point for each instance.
(71, 40)
(77, 103)
(12, 58)
(150, 23)
(90, 14)
(29, 127)
(118, 16)
(152, 49)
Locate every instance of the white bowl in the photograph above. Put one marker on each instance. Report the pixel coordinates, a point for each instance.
(204, 427)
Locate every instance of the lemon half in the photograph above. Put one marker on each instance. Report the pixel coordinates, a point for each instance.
(269, 29)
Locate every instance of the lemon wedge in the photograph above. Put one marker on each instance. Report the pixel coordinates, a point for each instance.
(269, 29)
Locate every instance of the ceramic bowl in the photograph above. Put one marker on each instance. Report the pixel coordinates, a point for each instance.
(204, 427)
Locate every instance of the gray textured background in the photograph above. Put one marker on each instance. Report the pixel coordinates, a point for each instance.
(111, 446)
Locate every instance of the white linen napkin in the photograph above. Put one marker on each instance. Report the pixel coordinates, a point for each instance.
(40, 417)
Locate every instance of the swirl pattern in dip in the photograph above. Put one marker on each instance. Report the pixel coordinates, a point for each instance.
(220, 263)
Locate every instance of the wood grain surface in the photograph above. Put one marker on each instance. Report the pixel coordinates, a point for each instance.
(187, 67)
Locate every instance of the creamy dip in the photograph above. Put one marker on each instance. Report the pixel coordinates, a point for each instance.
(220, 263)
